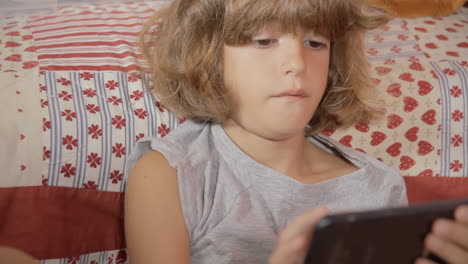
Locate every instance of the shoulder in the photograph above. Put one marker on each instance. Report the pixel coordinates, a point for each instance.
(371, 166)
(151, 171)
(152, 160)
(189, 159)
(350, 152)
(186, 143)
(386, 179)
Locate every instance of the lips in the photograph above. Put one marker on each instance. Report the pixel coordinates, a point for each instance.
(295, 93)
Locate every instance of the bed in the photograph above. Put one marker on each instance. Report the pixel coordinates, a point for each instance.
(74, 100)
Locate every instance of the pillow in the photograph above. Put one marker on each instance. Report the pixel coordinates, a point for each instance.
(420, 68)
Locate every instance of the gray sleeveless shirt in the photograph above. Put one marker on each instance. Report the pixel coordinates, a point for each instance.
(234, 207)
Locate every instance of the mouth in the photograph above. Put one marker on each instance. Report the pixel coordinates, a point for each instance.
(299, 93)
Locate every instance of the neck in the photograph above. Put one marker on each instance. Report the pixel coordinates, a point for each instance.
(289, 156)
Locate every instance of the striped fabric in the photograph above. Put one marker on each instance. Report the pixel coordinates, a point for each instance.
(110, 257)
(92, 37)
(452, 76)
(94, 104)
(91, 121)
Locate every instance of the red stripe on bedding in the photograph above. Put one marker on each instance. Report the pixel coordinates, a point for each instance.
(93, 68)
(424, 189)
(87, 26)
(93, 43)
(105, 33)
(91, 19)
(56, 222)
(90, 55)
(95, 14)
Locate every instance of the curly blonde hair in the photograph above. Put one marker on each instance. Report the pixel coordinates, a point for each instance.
(184, 46)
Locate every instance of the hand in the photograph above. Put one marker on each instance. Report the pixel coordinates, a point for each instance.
(293, 241)
(449, 239)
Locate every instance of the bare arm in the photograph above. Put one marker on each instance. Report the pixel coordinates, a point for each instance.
(155, 228)
(17, 256)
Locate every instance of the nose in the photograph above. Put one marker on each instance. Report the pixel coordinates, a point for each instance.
(293, 59)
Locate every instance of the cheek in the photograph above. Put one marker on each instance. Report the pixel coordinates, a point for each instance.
(319, 74)
(245, 81)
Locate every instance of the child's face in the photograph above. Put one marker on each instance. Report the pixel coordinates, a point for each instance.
(277, 81)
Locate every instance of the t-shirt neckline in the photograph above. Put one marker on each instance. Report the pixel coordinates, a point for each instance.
(222, 139)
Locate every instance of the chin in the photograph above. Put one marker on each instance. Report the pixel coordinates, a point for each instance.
(274, 129)
(283, 132)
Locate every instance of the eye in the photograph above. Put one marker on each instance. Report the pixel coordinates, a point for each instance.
(315, 44)
(264, 43)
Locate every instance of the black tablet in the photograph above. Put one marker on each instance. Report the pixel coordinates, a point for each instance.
(385, 236)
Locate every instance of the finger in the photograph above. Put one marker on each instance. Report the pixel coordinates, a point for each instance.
(294, 239)
(461, 214)
(451, 231)
(450, 252)
(304, 224)
(424, 261)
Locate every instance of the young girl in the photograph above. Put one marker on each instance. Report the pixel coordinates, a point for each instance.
(239, 182)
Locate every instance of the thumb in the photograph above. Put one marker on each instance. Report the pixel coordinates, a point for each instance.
(304, 224)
